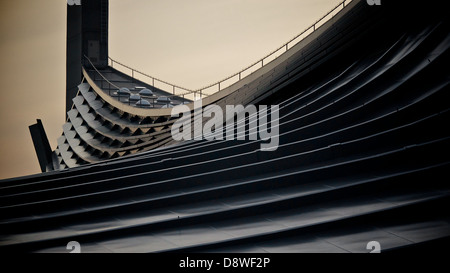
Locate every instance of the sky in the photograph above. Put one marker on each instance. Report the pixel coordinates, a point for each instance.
(191, 43)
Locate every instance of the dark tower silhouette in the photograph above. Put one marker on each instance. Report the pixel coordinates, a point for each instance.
(87, 35)
(41, 145)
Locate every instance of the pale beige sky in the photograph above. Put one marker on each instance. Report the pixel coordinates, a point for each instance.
(191, 43)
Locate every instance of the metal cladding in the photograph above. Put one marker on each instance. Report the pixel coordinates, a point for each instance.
(362, 161)
(96, 130)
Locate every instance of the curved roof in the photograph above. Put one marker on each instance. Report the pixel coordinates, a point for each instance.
(362, 158)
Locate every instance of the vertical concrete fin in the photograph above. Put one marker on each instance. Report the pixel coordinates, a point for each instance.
(41, 145)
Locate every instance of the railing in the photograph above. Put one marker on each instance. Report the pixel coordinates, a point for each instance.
(248, 70)
(153, 79)
(103, 78)
(116, 87)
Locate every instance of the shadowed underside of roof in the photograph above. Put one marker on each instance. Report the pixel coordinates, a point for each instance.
(363, 156)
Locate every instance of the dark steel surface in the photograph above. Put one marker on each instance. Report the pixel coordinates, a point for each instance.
(363, 156)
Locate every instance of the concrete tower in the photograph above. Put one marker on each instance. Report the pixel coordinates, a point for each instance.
(87, 35)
